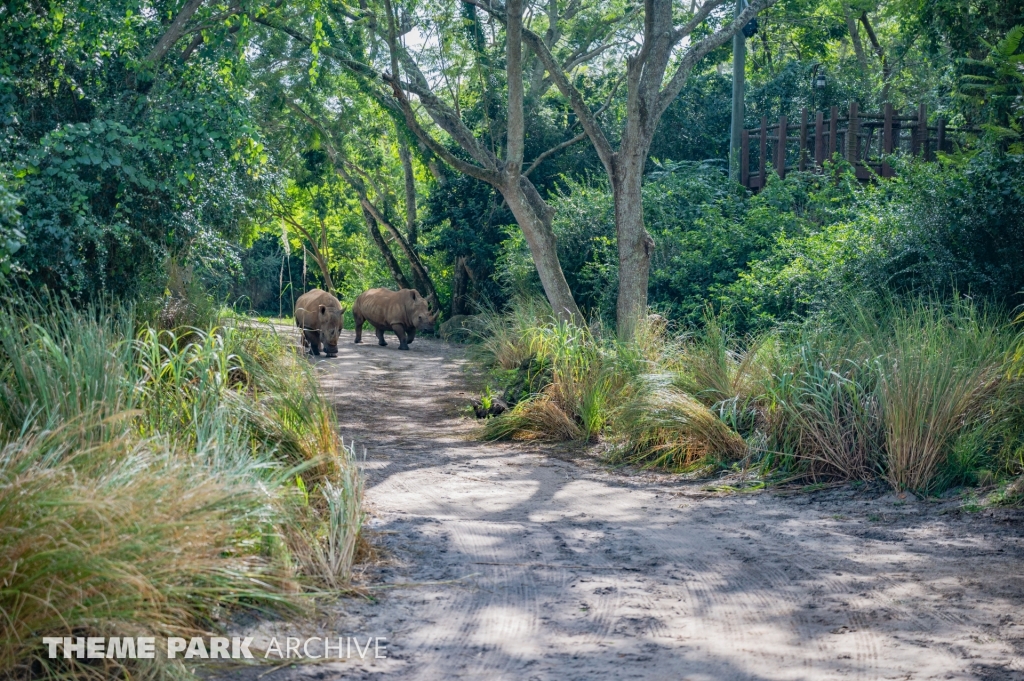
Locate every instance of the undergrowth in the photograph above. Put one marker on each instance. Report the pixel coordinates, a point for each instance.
(153, 480)
(924, 394)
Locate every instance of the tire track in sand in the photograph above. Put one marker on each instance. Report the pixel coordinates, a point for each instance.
(578, 572)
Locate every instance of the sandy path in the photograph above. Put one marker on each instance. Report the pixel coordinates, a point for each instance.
(568, 570)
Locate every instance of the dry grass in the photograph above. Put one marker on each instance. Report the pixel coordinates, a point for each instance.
(539, 418)
(663, 426)
(918, 393)
(150, 484)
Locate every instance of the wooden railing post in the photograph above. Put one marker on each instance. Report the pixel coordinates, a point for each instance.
(819, 138)
(802, 163)
(887, 139)
(852, 140)
(761, 159)
(940, 137)
(780, 150)
(745, 158)
(833, 132)
(920, 145)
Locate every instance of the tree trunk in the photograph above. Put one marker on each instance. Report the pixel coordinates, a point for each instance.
(389, 257)
(424, 284)
(886, 71)
(459, 285)
(410, 193)
(534, 218)
(858, 46)
(531, 212)
(322, 263)
(635, 245)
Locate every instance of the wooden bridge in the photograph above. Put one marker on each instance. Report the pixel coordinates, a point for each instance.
(862, 139)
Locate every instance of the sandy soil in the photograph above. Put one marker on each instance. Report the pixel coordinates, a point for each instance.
(520, 561)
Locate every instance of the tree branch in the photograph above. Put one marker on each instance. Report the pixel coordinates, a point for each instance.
(705, 47)
(440, 113)
(579, 106)
(554, 150)
(578, 138)
(173, 32)
(358, 68)
(483, 174)
(702, 13)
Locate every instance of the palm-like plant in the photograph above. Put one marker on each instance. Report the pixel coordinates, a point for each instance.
(1000, 88)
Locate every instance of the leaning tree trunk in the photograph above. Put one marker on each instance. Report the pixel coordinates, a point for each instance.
(635, 245)
(534, 218)
(424, 283)
(382, 246)
(410, 193)
(325, 272)
(460, 282)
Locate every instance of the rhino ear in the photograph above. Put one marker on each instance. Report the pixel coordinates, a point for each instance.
(323, 309)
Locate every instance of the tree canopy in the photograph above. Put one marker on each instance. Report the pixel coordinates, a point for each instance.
(436, 145)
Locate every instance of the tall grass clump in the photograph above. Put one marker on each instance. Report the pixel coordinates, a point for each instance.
(923, 393)
(152, 481)
(819, 405)
(682, 399)
(940, 370)
(660, 425)
(564, 358)
(586, 384)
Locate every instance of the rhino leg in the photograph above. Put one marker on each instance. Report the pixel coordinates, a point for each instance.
(410, 334)
(399, 329)
(380, 336)
(359, 328)
(311, 339)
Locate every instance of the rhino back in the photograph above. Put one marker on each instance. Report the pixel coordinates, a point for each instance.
(382, 307)
(307, 307)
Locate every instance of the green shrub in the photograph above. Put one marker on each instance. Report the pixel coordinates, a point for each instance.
(933, 230)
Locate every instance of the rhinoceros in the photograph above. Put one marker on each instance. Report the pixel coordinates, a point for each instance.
(319, 315)
(404, 312)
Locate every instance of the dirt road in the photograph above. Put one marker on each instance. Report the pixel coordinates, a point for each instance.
(521, 563)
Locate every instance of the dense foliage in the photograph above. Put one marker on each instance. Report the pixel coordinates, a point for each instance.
(119, 162)
(803, 243)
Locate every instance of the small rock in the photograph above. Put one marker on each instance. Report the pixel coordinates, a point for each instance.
(458, 329)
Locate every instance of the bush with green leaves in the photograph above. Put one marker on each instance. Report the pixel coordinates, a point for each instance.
(120, 163)
(933, 230)
(11, 236)
(692, 211)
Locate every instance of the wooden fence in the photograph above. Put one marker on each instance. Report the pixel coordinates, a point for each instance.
(862, 139)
